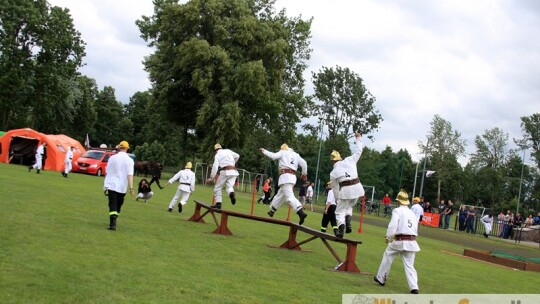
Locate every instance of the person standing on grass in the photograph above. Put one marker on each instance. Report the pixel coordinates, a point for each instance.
(441, 208)
(469, 222)
(403, 228)
(39, 158)
(68, 162)
(386, 201)
(288, 165)
(345, 182)
(487, 221)
(119, 176)
(329, 215)
(302, 194)
(225, 167)
(417, 209)
(186, 178)
(309, 195)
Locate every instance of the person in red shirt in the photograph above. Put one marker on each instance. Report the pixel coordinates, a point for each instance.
(386, 202)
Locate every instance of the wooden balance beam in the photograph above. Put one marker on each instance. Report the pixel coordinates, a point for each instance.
(348, 265)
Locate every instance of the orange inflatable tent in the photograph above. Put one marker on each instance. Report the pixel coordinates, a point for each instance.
(22, 143)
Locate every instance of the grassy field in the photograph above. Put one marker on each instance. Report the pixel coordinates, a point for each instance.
(55, 248)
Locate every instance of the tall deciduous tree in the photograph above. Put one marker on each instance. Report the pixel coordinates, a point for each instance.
(223, 67)
(109, 112)
(40, 52)
(530, 126)
(491, 149)
(346, 102)
(443, 147)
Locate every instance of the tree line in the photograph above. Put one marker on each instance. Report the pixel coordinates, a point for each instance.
(233, 72)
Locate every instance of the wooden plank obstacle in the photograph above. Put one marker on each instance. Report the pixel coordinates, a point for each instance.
(347, 265)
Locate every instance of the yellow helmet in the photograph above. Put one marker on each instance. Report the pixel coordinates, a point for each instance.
(123, 144)
(335, 155)
(403, 197)
(284, 147)
(188, 165)
(416, 200)
(217, 146)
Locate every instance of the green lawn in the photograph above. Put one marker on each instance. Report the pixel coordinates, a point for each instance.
(55, 248)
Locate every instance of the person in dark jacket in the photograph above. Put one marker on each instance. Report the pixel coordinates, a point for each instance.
(154, 168)
(144, 192)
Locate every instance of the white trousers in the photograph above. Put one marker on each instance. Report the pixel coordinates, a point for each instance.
(221, 181)
(39, 163)
(68, 167)
(408, 262)
(487, 226)
(344, 207)
(182, 195)
(286, 194)
(146, 196)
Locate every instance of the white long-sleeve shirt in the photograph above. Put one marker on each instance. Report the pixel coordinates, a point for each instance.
(288, 159)
(330, 199)
(223, 158)
(69, 156)
(186, 178)
(345, 170)
(403, 221)
(309, 192)
(417, 210)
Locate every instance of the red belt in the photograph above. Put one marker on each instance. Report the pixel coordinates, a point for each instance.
(405, 237)
(349, 182)
(286, 170)
(228, 168)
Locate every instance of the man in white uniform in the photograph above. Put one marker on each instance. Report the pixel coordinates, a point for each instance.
(224, 165)
(186, 178)
(288, 165)
(119, 174)
(309, 195)
(487, 221)
(417, 209)
(39, 158)
(403, 228)
(68, 161)
(346, 184)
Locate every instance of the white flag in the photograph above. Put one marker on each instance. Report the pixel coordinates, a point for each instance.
(87, 141)
(429, 173)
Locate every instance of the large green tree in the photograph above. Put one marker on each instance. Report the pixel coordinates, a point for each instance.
(223, 67)
(109, 112)
(346, 104)
(443, 146)
(40, 53)
(530, 126)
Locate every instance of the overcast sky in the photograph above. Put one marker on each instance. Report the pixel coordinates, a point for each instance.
(475, 63)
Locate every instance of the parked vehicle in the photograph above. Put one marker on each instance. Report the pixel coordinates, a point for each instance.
(94, 162)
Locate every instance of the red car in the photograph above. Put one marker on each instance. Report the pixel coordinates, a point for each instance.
(94, 162)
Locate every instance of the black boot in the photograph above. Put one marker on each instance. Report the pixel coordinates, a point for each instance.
(179, 207)
(341, 229)
(112, 223)
(232, 197)
(348, 227)
(38, 171)
(272, 211)
(217, 205)
(302, 216)
(336, 232)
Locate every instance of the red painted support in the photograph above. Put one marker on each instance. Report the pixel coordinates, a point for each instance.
(222, 228)
(349, 264)
(196, 217)
(291, 242)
